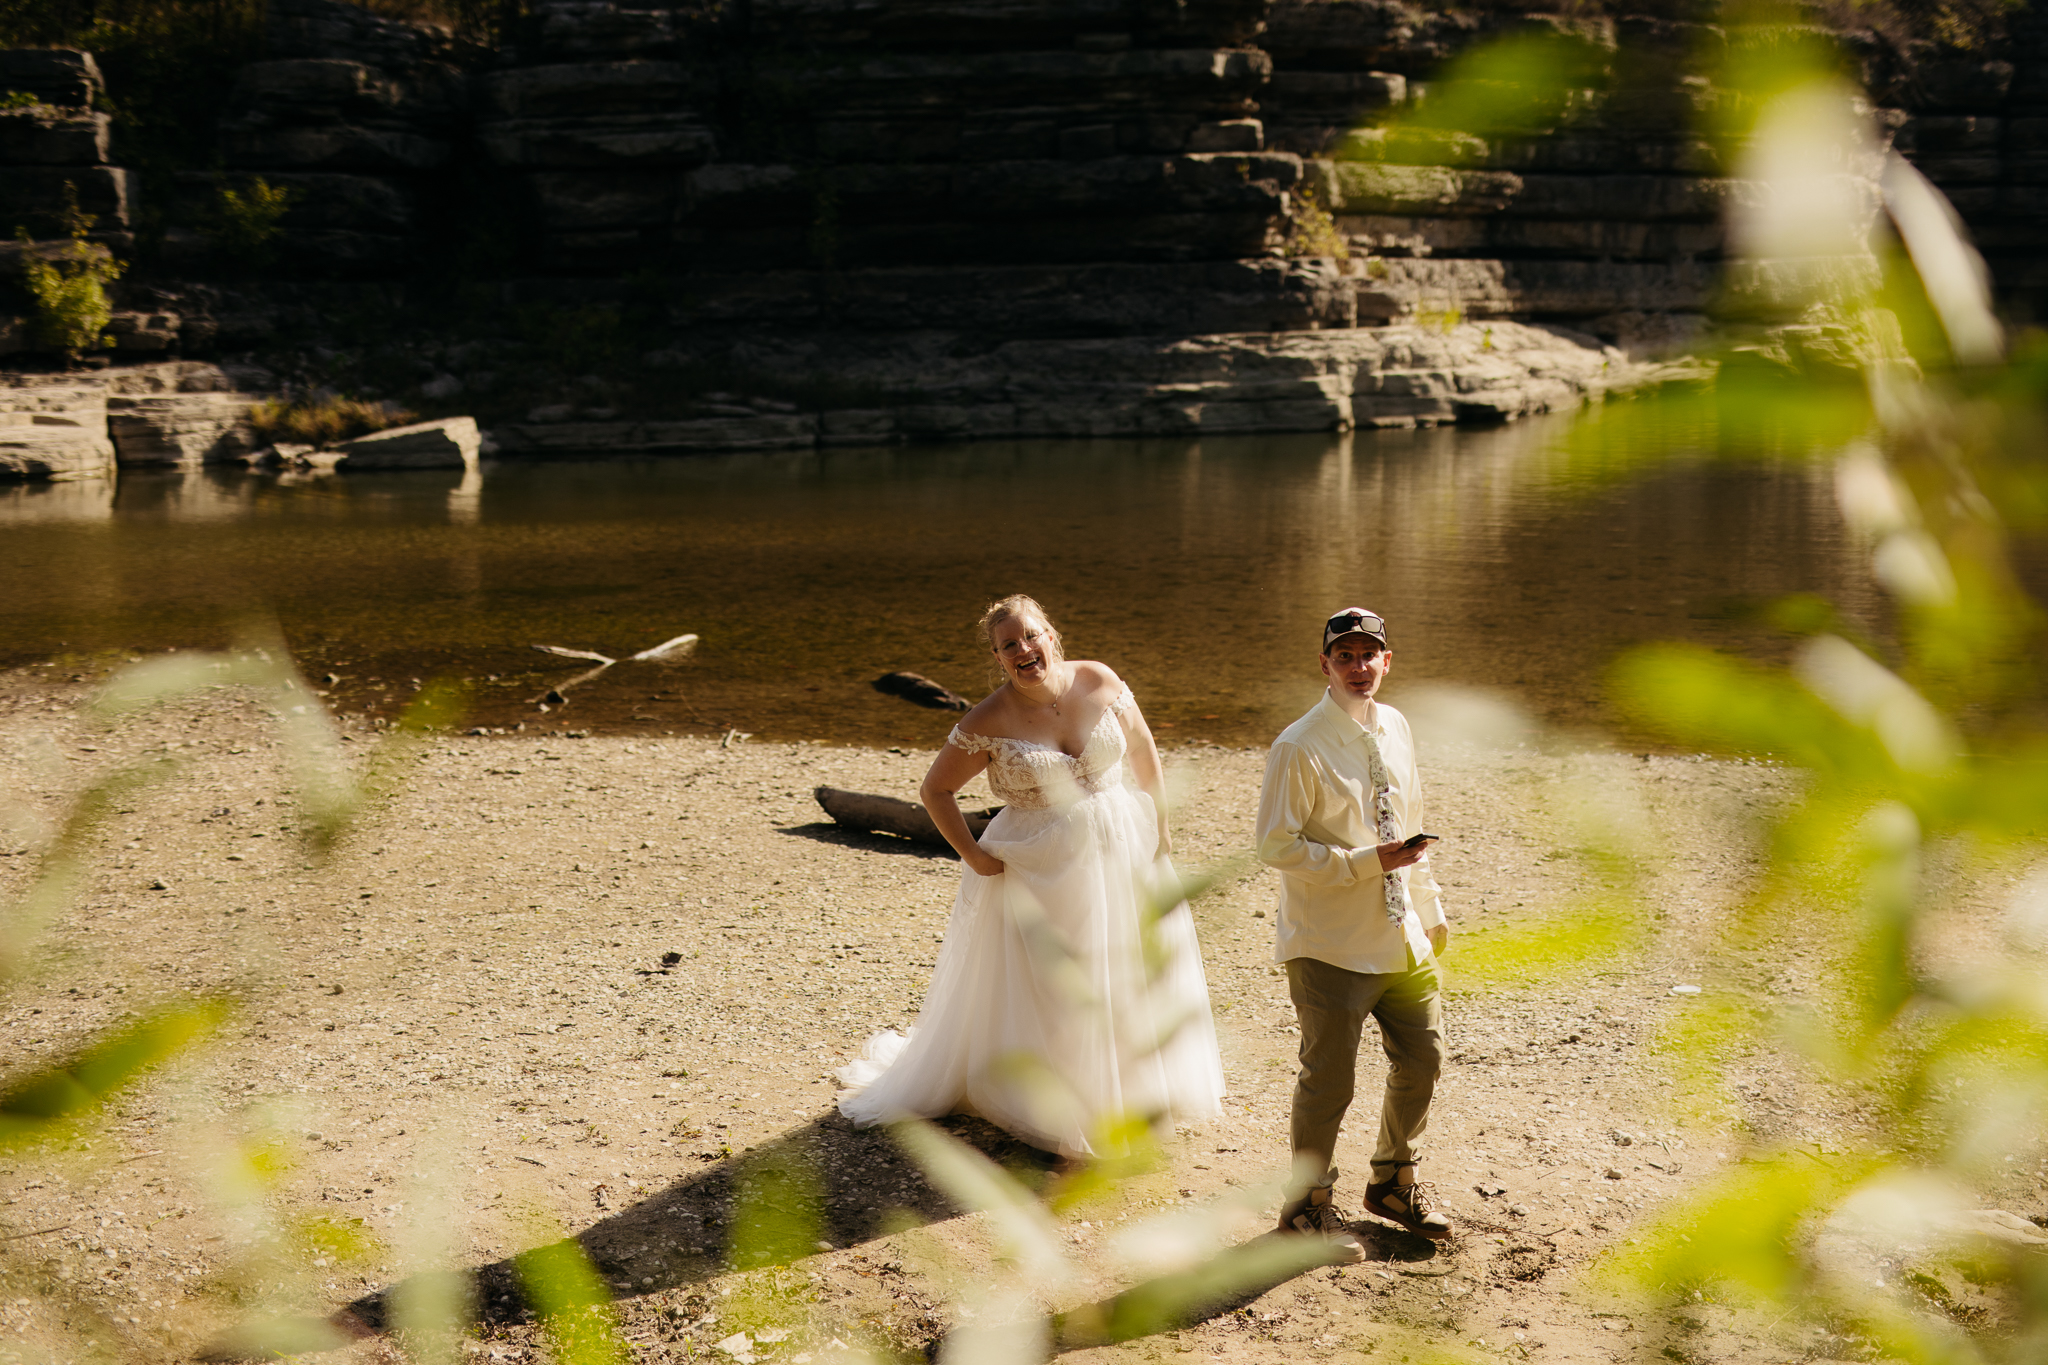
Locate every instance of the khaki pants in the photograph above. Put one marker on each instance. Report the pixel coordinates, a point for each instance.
(1332, 1005)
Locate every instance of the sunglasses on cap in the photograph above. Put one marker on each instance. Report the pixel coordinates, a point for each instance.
(1353, 622)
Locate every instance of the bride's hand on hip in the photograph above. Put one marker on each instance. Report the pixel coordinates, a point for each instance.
(1165, 839)
(986, 865)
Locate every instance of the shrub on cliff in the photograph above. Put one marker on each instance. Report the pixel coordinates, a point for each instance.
(247, 222)
(479, 21)
(324, 421)
(68, 283)
(1315, 231)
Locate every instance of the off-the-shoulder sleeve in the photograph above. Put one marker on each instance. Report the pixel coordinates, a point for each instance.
(1124, 703)
(973, 744)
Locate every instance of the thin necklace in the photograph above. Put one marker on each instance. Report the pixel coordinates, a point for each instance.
(1055, 702)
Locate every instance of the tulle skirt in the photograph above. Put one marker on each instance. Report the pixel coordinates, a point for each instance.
(1049, 1013)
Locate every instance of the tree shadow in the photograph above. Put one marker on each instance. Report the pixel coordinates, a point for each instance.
(828, 832)
(1227, 1282)
(866, 1187)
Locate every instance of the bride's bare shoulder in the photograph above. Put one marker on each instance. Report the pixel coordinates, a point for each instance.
(1096, 675)
(985, 717)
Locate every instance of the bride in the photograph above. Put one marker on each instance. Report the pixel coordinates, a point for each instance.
(1068, 997)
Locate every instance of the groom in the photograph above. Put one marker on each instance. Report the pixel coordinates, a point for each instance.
(1360, 922)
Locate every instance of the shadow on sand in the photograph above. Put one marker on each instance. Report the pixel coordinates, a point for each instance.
(867, 1188)
(827, 832)
(1228, 1281)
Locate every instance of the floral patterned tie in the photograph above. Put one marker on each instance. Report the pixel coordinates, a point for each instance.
(1389, 828)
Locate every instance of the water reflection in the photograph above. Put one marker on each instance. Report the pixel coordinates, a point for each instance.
(465, 500)
(1198, 568)
(83, 500)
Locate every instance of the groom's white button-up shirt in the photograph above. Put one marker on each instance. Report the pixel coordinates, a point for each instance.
(1316, 828)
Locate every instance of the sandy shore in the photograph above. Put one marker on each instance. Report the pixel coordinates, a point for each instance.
(457, 1039)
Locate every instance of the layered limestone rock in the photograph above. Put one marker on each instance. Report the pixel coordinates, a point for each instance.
(351, 116)
(448, 443)
(178, 414)
(1618, 209)
(1191, 298)
(981, 216)
(939, 387)
(54, 427)
(53, 153)
(597, 149)
(1977, 126)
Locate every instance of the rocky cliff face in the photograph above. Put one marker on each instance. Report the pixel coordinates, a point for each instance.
(59, 139)
(1977, 125)
(934, 217)
(1613, 221)
(353, 116)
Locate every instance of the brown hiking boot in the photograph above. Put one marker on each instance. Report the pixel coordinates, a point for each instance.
(1316, 1214)
(1411, 1203)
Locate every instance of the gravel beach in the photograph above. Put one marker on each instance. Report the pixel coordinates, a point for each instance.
(576, 985)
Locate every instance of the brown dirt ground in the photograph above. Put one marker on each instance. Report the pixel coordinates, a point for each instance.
(457, 1034)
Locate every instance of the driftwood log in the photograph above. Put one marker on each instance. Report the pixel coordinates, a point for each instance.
(888, 815)
(917, 688)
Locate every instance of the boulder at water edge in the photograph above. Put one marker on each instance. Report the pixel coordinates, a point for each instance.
(450, 443)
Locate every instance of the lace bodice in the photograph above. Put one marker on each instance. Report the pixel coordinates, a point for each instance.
(1033, 776)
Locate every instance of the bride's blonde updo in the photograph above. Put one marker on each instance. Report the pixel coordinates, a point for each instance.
(1018, 604)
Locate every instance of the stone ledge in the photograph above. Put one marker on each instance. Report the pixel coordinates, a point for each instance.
(933, 388)
(1105, 299)
(60, 76)
(1221, 79)
(305, 90)
(1112, 24)
(44, 136)
(180, 430)
(678, 140)
(34, 193)
(54, 426)
(446, 443)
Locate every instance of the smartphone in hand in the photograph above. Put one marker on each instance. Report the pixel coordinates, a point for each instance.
(1415, 839)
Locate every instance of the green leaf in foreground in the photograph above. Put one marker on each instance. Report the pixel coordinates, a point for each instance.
(779, 1212)
(1584, 938)
(33, 1106)
(1180, 1300)
(572, 1302)
(1744, 1231)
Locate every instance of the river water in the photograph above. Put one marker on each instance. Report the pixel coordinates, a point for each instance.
(1200, 570)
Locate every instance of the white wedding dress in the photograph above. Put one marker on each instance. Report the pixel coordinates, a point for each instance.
(1046, 1014)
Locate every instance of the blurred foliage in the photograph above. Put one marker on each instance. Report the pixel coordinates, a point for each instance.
(1520, 86)
(36, 1106)
(48, 1107)
(779, 1215)
(1858, 336)
(573, 1303)
(1923, 743)
(1589, 935)
(340, 1239)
